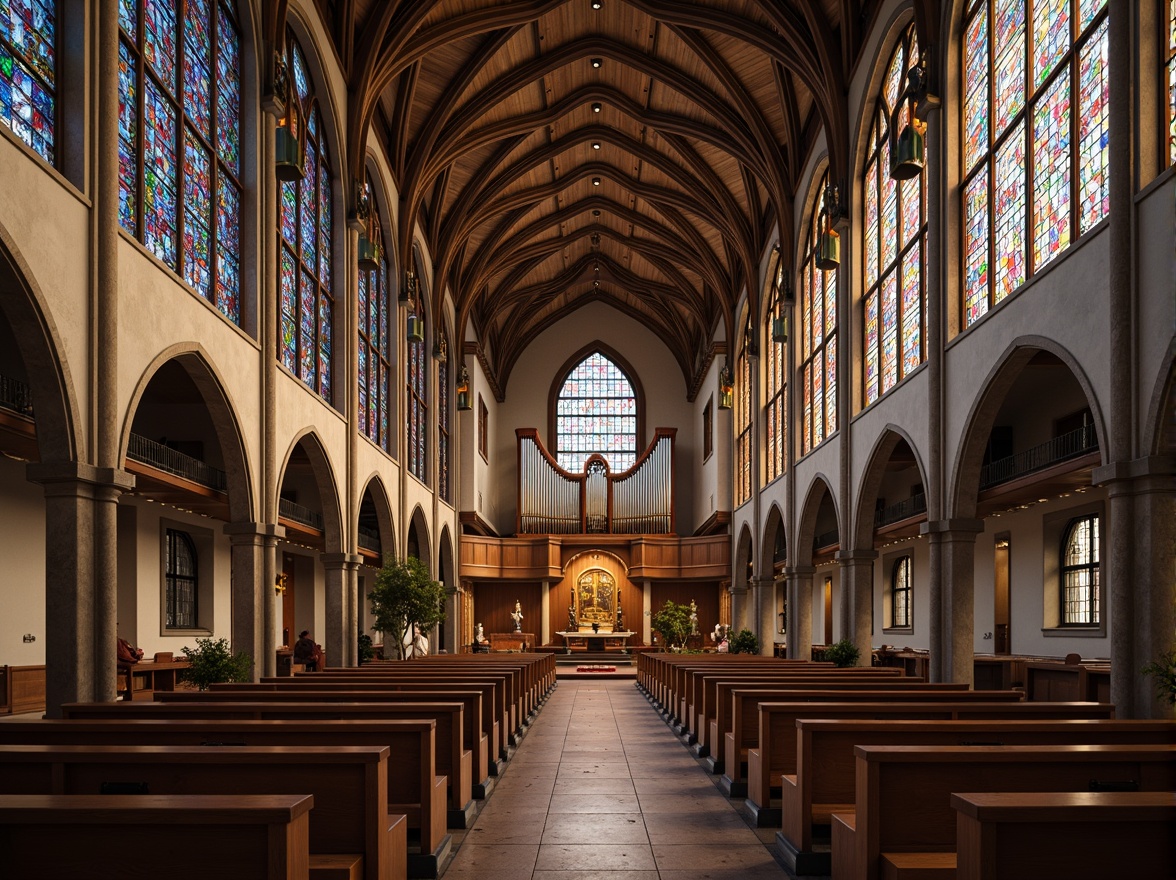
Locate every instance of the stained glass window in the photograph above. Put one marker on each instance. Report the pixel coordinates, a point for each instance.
(443, 416)
(375, 368)
(179, 88)
(418, 407)
(900, 593)
(596, 413)
(1036, 136)
(818, 337)
(1080, 572)
(1170, 81)
(776, 410)
(305, 225)
(743, 420)
(28, 72)
(180, 581)
(895, 236)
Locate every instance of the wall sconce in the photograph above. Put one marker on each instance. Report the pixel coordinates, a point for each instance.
(829, 243)
(908, 145)
(369, 250)
(464, 402)
(290, 138)
(415, 327)
(726, 388)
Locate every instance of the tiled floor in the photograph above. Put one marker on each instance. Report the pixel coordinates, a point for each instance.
(600, 786)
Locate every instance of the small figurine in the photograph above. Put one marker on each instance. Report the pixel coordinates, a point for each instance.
(693, 618)
(517, 616)
(572, 625)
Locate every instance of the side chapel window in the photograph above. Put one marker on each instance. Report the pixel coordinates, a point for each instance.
(28, 72)
(375, 367)
(818, 338)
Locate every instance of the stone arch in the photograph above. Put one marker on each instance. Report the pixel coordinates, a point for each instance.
(417, 537)
(806, 531)
(774, 532)
(1160, 430)
(374, 487)
(964, 485)
(446, 570)
(324, 478)
(210, 384)
(862, 526)
(23, 304)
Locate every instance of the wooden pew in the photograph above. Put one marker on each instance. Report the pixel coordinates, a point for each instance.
(243, 837)
(903, 822)
(1015, 836)
(349, 825)
(414, 789)
(825, 775)
(452, 760)
(1055, 680)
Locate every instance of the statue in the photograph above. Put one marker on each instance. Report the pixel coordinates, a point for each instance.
(719, 634)
(693, 618)
(572, 625)
(620, 619)
(517, 616)
(479, 635)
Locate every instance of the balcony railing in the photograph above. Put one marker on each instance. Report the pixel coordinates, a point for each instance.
(912, 506)
(16, 396)
(167, 459)
(1065, 446)
(369, 539)
(300, 514)
(827, 539)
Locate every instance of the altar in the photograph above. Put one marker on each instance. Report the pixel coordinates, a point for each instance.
(595, 641)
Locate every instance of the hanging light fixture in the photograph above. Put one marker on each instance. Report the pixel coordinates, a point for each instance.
(290, 137)
(726, 388)
(782, 298)
(464, 403)
(415, 327)
(369, 250)
(829, 243)
(908, 144)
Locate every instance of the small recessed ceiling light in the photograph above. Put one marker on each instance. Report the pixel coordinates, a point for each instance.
(596, 181)
(596, 213)
(597, 107)
(597, 62)
(596, 4)
(596, 145)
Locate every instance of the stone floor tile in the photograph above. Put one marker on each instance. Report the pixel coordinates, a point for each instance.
(577, 857)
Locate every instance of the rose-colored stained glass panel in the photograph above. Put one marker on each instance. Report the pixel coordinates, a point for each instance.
(1008, 41)
(1009, 211)
(871, 233)
(871, 333)
(831, 385)
(888, 334)
(976, 88)
(1094, 136)
(1051, 36)
(1051, 178)
(912, 311)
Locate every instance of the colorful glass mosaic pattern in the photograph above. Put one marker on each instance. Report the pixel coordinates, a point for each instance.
(1171, 81)
(374, 361)
(179, 131)
(1035, 132)
(818, 332)
(743, 422)
(28, 72)
(418, 407)
(895, 230)
(596, 413)
(306, 228)
(443, 416)
(776, 412)
(1080, 573)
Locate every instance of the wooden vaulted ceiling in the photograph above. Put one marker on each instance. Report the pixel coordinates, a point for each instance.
(642, 154)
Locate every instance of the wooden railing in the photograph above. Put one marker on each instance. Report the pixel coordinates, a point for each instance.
(638, 501)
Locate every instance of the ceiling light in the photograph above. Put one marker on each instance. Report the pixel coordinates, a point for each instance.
(596, 213)
(597, 63)
(596, 145)
(596, 4)
(597, 107)
(596, 181)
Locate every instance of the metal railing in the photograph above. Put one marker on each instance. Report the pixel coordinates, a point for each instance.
(369, 539)
(300, 514)
(912, 506)
(1065, 446)
(827, 539)
(167, 459)
(16, 396)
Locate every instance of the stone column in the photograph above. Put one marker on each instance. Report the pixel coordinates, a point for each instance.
(957, 624)
(765, 592)
(935, 617)
(646, 613)
(337, 634)
(454, 623)
(544, 613)
(354, 611)
(249, 588)
(857, 592)
(740, 613)
(800, 611)
(271, 620)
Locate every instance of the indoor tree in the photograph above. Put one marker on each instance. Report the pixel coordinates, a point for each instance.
(405, 594)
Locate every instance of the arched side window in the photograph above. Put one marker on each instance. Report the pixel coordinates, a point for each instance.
(776, 360)
(1080, 572)
(743, 420)
(375, 368)
(818, 337)
(1035, 139)
(180, 581)
(306, 227)
(1170, 53)
(895, 222)
(179, 144)
(418, 406)
(596, 413)
(443, 417)
(900, 593)
(28, 72)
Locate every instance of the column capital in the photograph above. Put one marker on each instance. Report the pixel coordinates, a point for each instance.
(957, 527)
(1129, 471)
(247, 532)
(799, 571)
(64, 474)
(851, 557)
(340, 560)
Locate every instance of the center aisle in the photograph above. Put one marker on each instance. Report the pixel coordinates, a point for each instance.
(600, 785)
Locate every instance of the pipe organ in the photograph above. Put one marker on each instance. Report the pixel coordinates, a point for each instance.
(639, 501)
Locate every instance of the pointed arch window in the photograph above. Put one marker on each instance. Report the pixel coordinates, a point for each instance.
(28, 72)
(1035, 140)
(306, 228)
(596, 413)
(180, 581)
(1080, 572)
(900, 593)
(818, 337)
(1170, 81)
(375, 366)
(776, 410)
(418, 407)
(179, 151)
(895, 221)
(443, 417)
(743, 420)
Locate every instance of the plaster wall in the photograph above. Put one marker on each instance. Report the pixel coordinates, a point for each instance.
(22, 547)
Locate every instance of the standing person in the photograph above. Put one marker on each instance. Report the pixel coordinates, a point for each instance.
(307, 652)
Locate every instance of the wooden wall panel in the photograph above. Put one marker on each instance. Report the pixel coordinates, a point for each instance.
(494, 601)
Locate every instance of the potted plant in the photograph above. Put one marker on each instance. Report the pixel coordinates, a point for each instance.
(673, 622)
(745, 643)
(844, 653)
(365, 650)
(405, 595)
(1164, 673)
(212, 662)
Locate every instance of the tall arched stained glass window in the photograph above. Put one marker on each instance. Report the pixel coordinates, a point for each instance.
(818, 338)
(179, 148)
(900, 593)
(418, 406)
(1170, 81)
(776, 410)
(1080, 573)
(895, 235)
(307, 232)
(443, 406)
(1036, 133)
(375, 366)
(28, 72)
(596, 413)
(743, 420)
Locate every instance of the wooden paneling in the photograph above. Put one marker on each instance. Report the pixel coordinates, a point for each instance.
(649, 557)
(494, 602)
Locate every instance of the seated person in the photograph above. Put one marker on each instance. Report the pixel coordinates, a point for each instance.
(307, 652)
(127, 653)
